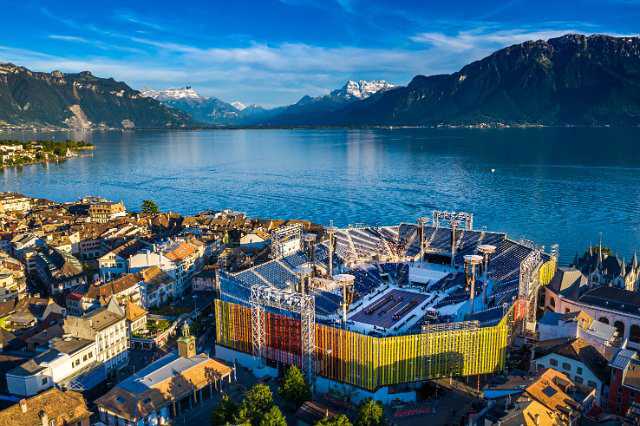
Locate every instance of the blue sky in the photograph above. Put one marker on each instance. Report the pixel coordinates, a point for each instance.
(273, 52)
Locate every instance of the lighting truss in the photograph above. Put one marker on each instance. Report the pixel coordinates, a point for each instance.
(451, 217)
(529, 286)
(263, 296)
(281, 236)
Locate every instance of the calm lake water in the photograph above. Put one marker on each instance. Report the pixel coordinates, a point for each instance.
(560, 186)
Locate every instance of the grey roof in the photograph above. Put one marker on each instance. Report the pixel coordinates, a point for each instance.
(69, 345)
(103, 318)
(601, 330)
(613, 298)
(160, 370)
(567, 282)
(622, 359)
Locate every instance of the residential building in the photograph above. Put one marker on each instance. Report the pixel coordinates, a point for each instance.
(52, 408)
(13, 202)
(581, 362)
(572, 325)
(188, 257)
(66, 358)
(624, 382)
(125, 289)
(552, 399)
(116, 262)
(136, 318)
(107, 327)
(611, 305)
(104, 211)
(158, 287)
(58, 270)
(205, 280)
(26, 313)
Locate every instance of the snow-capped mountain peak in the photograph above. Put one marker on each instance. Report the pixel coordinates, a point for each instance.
(362, 89)
(238, 105)
(184, 93)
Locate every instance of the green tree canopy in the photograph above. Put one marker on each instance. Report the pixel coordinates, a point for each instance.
(225, 411)
(149, 207)
(340, 420)
(273, 417)
(370, 413)
(257, 402)
(294, 388)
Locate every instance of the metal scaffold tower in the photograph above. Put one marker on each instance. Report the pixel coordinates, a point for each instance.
(286, 240)
(265, 296)
(459, 217)
(528, 289)
(455, 220)
(331, 233)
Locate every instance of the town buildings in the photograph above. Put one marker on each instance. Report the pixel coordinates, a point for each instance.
(107, 327)
(167, 387)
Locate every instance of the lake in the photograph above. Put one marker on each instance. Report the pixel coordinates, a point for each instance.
(551, 185)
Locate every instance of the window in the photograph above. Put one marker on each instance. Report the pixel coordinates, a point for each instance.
(592, 384)
(553, 362)
(45, 380)
(619, 325)
(552, 302)
(604, 320)
(566, 366)
(578, 380)
(579, 370)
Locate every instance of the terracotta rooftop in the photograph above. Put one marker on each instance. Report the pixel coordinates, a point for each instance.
(61, 408)
(106, 290)
(182, 251)
(134, 312)
(550, 390)
(169, 378)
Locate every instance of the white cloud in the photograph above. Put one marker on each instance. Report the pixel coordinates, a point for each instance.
(271, 73)
(67, 38)
(483, 38)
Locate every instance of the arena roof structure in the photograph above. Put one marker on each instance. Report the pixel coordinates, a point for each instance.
(438, 289)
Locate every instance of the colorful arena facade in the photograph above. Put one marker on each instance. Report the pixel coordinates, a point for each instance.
(410, 317)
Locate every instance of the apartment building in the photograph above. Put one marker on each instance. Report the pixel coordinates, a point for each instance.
(107, 327)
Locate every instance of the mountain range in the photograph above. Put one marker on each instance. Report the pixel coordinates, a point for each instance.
(80, 101)
(569, 80)
(212, 110)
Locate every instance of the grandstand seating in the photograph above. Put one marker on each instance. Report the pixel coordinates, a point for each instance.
(503, 266)
(276, 274)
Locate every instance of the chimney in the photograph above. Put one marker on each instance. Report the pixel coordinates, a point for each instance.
(23, 405)
(44, 419)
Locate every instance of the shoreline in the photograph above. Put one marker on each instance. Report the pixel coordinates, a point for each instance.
(31, 129)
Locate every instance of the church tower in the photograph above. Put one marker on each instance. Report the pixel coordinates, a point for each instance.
(186, 343)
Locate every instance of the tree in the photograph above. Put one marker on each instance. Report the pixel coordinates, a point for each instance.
(294, 388)
(257, 402)
(340, 420)
(273, 417)
(225, 411)
(370, 413)
(149, 207)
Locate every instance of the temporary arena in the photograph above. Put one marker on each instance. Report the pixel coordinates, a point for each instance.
(380, 309)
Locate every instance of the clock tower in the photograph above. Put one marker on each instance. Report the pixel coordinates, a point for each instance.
(186, 343)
